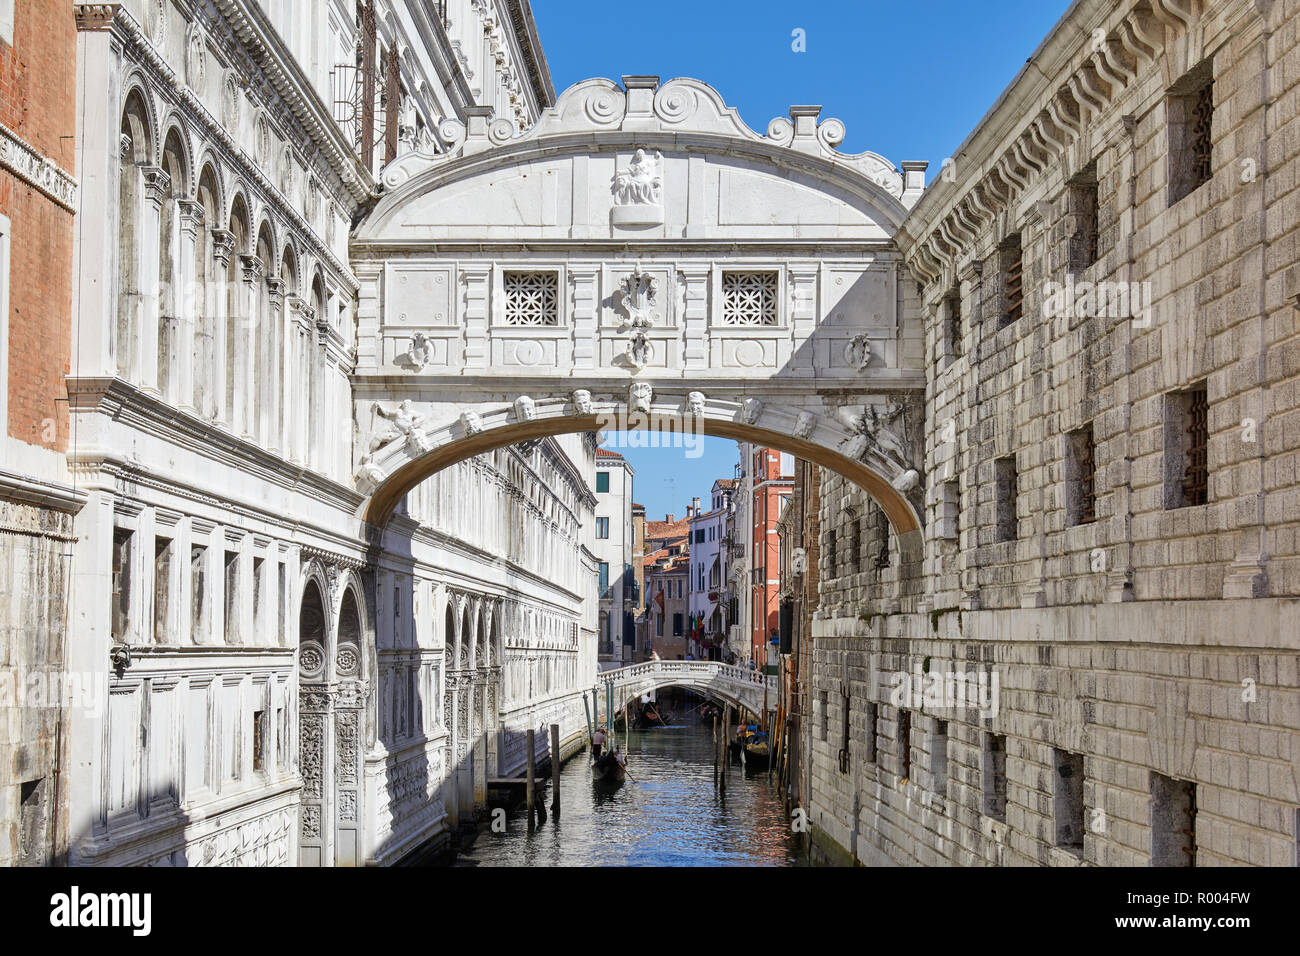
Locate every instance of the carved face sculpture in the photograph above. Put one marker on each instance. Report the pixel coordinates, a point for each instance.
(695, 401)
(751, 409)
(640, 395)
(807, 422)
(525, 408)
(471, 422)
(582, 401)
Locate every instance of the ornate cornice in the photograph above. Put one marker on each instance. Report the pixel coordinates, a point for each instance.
(138, 45)
(21, 159)
(1049, 106)
(149, 414)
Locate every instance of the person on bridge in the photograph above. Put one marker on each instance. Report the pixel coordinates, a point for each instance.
(597, 742)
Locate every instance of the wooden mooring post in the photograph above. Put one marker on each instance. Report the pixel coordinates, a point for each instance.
(555, 770)
(530, 785)
(726, 745)
(716, 756)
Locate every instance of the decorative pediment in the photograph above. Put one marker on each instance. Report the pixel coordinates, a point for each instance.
(642, 126)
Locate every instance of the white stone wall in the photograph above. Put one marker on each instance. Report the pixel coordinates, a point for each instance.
(214, 440)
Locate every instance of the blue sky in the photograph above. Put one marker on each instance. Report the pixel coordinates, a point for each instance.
(908, 80)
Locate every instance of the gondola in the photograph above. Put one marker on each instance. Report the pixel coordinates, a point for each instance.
(650, 717)
(607, 769)
(757, 752)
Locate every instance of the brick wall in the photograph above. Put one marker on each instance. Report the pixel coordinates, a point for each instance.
(38, 103)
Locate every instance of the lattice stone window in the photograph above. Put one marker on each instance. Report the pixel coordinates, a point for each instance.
(749, 298)
(532, 298)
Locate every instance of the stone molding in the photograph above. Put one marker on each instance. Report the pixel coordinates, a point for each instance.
(23, 160)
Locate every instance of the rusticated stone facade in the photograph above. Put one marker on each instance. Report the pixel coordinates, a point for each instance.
(1110, 278)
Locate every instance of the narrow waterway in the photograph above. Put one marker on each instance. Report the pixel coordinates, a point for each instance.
(668, 813)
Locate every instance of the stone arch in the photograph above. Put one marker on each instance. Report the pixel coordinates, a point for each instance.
(268, 336)
(176, 141)
(209, 276)
(826, 442)
(350, 631)
(136, 152)
(174, 189)
(289, 268)
(450, 627)
(466, 658)
(139, 123)
(314, 657)
(482, 650)
(237, 357)
(315, 628)
(318, 296)
(238, 220)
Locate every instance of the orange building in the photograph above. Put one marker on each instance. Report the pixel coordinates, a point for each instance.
(772, 482)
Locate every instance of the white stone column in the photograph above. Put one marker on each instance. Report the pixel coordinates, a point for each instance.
(246, 384)
(274, 369)
(156, 184)
(96, 226)
(187, 304)
(476, 315)
(694, 323)
(223, 243)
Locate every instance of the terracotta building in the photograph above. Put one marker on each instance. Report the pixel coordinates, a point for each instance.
(38, 196)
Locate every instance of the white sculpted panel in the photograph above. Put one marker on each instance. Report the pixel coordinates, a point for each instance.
(419, 295)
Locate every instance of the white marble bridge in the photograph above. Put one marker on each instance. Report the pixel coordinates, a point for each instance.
(729, 683)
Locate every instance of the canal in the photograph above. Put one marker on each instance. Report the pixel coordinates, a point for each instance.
(668, 813)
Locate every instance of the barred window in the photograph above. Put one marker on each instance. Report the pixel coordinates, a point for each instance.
(1190, 112)
(749, 298)
(532, 298)
(1083, 206)
(952, 323)
(1186, 447)
(1004, 471)
(1082, 475)
(1013, 289)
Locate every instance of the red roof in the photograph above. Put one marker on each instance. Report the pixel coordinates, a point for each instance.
(726, 482)
(661, 530)
(602, 453)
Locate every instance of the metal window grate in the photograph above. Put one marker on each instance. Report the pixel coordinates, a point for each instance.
(1085, 238)
(1014, 285)
(952, 322)
(749, 298)
(532, 298)
(1087, 451)
(1196, 474)
(1202, 139)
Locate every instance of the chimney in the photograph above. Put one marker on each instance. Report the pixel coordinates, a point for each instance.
(696, 502)
(669, 518)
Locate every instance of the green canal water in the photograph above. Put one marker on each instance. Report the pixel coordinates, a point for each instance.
(670, 814)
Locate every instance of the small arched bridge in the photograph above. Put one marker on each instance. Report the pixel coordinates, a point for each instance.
(735, 685)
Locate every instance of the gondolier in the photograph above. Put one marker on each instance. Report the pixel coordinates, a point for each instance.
(597, 742)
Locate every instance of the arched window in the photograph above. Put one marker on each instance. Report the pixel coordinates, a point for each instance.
(265, 378)
(237, 329)
(134, 155)
(208, 281)
(171, 294)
